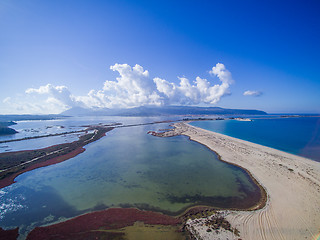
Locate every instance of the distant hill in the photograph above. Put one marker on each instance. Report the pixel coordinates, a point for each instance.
(7, 123)
(24, 117)
(7, 131)
(160, 111)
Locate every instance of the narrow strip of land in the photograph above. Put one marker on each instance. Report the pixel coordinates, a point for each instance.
(291, 182)
(13, 164)
(42, 136)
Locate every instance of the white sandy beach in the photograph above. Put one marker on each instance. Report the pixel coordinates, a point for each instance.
(291, 182)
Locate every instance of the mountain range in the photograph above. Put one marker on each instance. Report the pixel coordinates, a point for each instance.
(159, 111)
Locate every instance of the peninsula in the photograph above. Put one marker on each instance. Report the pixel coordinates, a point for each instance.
(292, 184)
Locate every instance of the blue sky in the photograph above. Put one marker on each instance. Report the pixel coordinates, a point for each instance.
(57, 54)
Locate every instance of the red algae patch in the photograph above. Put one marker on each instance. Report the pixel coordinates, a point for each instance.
(96, 225)
(9, 234)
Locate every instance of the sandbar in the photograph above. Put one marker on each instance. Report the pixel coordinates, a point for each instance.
(292, 184)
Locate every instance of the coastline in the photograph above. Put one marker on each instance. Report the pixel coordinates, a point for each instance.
(10, 179)
(38, 158)
(292, 185)
(289, 185)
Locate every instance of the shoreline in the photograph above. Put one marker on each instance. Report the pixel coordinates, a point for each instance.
(173, 132)
(289, 185)
(43, 157)
(7, 181)
(264, 196)
(292, 185)
(99, 224)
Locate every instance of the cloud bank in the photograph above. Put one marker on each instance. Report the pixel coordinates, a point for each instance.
(132, 88)
(252, 93)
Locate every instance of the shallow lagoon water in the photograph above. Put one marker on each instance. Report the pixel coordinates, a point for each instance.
(67, 124)
(127, 168)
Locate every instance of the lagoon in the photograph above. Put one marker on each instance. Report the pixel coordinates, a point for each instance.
(127, 168)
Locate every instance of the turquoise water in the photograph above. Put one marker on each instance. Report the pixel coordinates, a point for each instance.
(127, 168)
(299, 136)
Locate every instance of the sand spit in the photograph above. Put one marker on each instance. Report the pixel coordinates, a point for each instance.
(13, 164)
(292, 184)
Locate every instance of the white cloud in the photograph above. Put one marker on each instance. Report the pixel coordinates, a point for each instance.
(60, 93)
(6, 100)
(33, 104)
(134, 87)
(200, 92)
(223, 74)
(165, 87)
(252, 93)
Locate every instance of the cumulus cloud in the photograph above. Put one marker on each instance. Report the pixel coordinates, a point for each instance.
(58, 94)
(33, 104)
(132, 88)
(200, 91)
(252, 93)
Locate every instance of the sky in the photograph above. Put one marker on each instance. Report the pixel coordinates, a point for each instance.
(59, 54)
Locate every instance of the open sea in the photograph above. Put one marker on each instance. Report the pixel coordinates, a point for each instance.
(297, 135)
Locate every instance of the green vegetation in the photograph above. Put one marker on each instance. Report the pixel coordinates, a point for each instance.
(141, 231)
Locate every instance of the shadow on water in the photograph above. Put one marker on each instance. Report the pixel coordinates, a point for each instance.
(250, 198)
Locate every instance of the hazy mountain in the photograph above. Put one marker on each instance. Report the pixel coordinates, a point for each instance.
(159, 111)
(23, 117)
(7, 131)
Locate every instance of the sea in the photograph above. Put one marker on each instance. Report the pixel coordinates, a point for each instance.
(130, 168)
(296, 135)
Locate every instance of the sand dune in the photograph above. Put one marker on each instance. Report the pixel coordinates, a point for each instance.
(292, 184)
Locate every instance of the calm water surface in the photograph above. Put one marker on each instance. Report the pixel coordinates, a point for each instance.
(299, 136)
(127, 168)
(68, 124)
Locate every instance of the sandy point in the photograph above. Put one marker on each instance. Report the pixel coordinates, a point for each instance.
(292, 184)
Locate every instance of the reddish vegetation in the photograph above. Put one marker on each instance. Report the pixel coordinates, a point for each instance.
(114, 218)
(9, 234)
(16, 163)
(9, 180)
